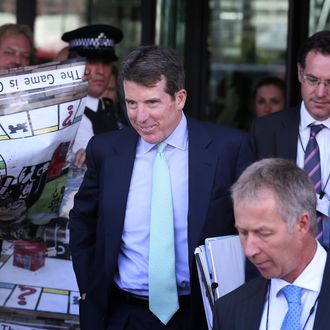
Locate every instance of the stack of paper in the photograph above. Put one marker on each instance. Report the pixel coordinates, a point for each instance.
(220, 264)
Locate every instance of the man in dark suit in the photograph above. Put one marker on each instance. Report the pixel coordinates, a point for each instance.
(274, 207)
(111, 219)
(286, 134)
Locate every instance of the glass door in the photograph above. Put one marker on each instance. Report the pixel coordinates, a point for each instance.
(247, 41)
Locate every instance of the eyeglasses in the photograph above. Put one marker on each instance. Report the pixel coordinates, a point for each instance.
(315, 82)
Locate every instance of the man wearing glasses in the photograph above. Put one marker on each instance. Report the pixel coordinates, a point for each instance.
(302, 134)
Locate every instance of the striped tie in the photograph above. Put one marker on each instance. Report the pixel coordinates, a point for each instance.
(312, 166)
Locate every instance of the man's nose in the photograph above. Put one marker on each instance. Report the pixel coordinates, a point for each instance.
(141, 113)
(321, 89)
(18, 59)
(250, 245)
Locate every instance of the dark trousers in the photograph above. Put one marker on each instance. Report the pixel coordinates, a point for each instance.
(127, 314)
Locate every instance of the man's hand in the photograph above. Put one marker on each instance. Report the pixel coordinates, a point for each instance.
(80, 158)
(87, 74)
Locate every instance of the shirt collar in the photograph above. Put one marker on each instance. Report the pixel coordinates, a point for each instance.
(177, 139)
(310, 278)
(92, 103)
(306, 119)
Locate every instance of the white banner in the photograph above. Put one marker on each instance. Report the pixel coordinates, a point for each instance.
(40, 110)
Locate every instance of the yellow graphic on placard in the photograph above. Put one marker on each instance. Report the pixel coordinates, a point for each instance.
(56, 291)
(45, 130)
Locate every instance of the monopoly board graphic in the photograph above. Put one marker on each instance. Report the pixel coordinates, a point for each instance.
(40, 110)
(50, 291)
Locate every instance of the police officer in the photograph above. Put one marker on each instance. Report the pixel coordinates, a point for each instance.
(96, 43)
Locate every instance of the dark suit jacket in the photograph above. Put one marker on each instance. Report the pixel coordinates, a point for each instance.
(276, 135)
(217, 156)
(242, 308)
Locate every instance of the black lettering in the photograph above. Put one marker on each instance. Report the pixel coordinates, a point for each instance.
(50, 79)
(35, 79)
(70, 75)
(77, 75)
(73, 75)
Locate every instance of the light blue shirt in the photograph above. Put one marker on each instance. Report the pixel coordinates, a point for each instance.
(134, 252)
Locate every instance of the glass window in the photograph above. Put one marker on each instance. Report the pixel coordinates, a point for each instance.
(247, 41)
(7, 11)
(319, 18)
(125, 15)
(54, 17)
(170, 24)
(58, 16)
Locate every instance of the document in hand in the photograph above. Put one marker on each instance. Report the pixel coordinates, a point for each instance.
(205, 283)
(221, 269)
(226, 262)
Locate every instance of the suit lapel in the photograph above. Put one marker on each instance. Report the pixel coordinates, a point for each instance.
(322, 312)
(116, 181)
(286, 137)
(202, 164)
(254, 305)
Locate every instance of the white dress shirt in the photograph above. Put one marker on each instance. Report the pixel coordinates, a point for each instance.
(323, 140)
(134, 252)
(85, 129)
(310, 280)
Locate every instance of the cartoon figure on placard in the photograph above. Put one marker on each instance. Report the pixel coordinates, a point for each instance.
(12, 209)
(34, 196)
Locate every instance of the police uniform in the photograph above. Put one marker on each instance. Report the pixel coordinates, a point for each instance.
(97, 43)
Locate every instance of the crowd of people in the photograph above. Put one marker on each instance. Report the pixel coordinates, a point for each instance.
(157, 183)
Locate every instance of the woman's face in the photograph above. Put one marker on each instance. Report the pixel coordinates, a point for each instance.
(269, 98)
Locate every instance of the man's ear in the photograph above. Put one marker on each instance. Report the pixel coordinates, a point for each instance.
(180, 98)
(304, 223)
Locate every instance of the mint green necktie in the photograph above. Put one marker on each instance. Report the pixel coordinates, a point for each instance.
(163, 294)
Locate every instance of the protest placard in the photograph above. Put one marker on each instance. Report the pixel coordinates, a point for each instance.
(40, 110)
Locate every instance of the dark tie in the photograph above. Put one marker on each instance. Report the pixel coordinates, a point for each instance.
(312, 165)
(292, 295)
(104, 119)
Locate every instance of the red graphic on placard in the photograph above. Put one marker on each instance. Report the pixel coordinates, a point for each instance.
(58, 160)
(67, 121)
(27, 291)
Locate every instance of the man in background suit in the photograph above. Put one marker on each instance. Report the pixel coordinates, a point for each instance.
(286, 133)
(16, 46)
(274, 207)
(110, 220)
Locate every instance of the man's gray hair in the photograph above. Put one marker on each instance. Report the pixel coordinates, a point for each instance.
(10, 28)
(291, 186)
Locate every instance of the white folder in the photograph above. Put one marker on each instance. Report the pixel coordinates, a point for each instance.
(221, 269)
